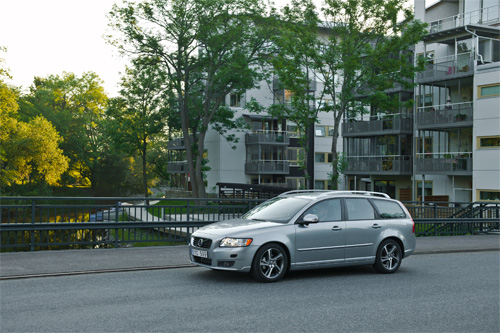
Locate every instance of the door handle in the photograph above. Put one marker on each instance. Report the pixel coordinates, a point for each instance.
(336, 228)
(376, 226)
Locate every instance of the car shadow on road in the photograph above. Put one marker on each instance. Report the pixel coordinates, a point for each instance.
(325, 273)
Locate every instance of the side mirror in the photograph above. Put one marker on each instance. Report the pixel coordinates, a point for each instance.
(309, 218)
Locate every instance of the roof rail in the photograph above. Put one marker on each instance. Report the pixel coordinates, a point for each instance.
(374, 194)
(333, 192)
(303, 191)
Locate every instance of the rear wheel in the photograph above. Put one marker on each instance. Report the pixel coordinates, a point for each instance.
(389, 257)
(270, 263)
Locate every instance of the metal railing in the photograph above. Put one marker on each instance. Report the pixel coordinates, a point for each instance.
(267, 138)
(375, 125)
(459, 114)
(37, 223)
(447, 68)
(484, 16)
(449, 163)
(281, 167)
(387, 164)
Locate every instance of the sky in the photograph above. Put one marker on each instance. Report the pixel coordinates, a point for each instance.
(49, 37)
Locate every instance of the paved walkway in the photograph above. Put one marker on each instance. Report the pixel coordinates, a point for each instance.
(67, 261)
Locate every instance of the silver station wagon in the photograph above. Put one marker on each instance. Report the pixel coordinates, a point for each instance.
(309, 229)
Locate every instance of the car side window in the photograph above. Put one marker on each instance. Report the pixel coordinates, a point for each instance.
(327, 210)
(389, 209)
(359, 209)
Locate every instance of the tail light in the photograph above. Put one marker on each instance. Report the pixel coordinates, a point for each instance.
(413, 229)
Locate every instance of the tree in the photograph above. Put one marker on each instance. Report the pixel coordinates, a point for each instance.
(141, 114)
(75, 106)
(291, 61)
(367, 52)
(32, 154)
(208, 49)
(29, 151)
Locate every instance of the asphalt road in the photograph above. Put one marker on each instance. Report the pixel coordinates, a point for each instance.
(447, 292)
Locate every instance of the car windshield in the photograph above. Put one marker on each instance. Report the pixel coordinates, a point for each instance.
(280, 209)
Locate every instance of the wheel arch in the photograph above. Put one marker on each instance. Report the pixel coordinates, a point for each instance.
(283, 245)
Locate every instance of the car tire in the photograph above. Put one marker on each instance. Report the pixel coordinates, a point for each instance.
(270, 263)
(389, 257)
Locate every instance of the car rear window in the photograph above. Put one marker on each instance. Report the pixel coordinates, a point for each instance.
(359, 209)
(389, 209)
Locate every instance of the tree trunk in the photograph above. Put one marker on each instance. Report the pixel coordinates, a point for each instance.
(144, 173)
(337, 116)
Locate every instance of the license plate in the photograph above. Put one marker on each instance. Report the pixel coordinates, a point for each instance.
(199, 253)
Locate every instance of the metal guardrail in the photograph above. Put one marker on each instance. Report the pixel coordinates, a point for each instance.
(34, 223)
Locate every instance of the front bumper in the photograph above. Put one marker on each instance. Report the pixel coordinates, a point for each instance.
(225, 258)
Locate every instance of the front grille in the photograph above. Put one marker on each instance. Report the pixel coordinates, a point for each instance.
(205, 242)
(204, 261)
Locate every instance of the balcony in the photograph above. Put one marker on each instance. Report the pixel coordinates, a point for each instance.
(176, 144)
(378, 125)
(267, 138)
(485, 16)
(267, 167)
(453, 164)
(449, 115)
(278, 85)
(379, 165)
(447, 68)
(177, 167)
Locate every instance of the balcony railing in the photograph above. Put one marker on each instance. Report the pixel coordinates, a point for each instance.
(452, 163)
(279, 85)
(177, 143)
(388, 164)
(267, 138)
(280, 167)
(486, 16)
(378, 125)
(448, 68)
(449, 115)
(177, 167)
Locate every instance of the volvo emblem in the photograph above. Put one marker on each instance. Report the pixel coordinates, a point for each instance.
(200, 242)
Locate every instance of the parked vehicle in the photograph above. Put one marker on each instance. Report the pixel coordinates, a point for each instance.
(309, 229)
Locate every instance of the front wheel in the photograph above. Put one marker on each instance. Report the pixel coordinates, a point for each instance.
(389, 257)
(270, 263)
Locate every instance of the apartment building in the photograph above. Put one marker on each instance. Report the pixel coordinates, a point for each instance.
(457, 122)
(267, 154)
(448, 144)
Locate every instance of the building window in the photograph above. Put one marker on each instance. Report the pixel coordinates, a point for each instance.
(488, 195)
(488, 90)
(323, 157)
(319, 157)
(296, 183)
(320, 130)
(488, 142)
(292, 128)
(235, 100)
(319, 184)
(427, 189)
(294, 155)
(330, 130)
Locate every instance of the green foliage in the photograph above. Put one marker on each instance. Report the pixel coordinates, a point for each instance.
(75, 106)
(291, 61)
(139, 115)
(208, 48)
(367, 51)
(31, 153)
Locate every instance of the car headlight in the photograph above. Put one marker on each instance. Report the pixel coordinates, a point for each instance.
(235, 242)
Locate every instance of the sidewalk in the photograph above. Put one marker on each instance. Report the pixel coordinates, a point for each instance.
(67, 261)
